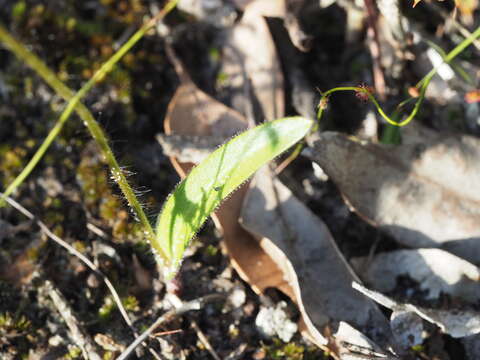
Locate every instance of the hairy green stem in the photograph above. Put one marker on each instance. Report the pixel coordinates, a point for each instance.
(74, 104)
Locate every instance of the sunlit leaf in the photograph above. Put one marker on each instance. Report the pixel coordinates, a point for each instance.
(196, 197)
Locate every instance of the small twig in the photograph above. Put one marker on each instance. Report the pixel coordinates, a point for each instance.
(169, 332)
(374, 45)
(371, 254)
(196, 304)
(76, 331)
(96, 230)
(204, 340)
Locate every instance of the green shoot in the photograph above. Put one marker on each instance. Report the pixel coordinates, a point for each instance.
(223, 171)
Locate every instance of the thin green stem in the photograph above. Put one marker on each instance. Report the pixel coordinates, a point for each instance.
(74, 104)
(423, 84)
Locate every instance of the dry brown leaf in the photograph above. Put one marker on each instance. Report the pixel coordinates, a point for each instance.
(251, 65)
(425, 193)
(301, 245)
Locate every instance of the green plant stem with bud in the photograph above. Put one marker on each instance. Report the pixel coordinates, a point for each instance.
(74, 104)
(422, 84)
(363, 90)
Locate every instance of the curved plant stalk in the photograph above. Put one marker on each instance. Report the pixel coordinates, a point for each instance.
(223, 171)
(366, 93)
(423, 85)
(74, 104)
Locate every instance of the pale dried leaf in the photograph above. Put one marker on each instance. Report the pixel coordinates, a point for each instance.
(216, 12)
(270, 8)
(353, 345)
(425, 193)
(436, 271)
(456, 323)
(303, 248)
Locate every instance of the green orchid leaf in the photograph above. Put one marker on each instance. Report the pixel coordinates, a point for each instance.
(223, 171)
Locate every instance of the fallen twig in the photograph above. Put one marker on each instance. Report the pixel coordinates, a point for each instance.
(76, 331)
(374, 45)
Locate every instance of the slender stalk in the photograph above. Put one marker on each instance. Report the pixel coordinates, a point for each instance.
(423, 85)
(74, 104)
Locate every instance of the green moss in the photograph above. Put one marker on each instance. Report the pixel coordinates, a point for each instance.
(10, 324)
(28, 87)
(214, 54)
(418, 348)
(100, 200)
(18, 10)
(221, 80)
(105, 311)
(131, 303)
(11, 162)
(72, 65)
(292, 351)
(211, 250)
(280, 350)
(108, 355)
(74, 352)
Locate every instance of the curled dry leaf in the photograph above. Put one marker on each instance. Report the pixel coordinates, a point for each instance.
(353, 345)
(456, 323)
(425, 192)
(303, 248)
(435, 270)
